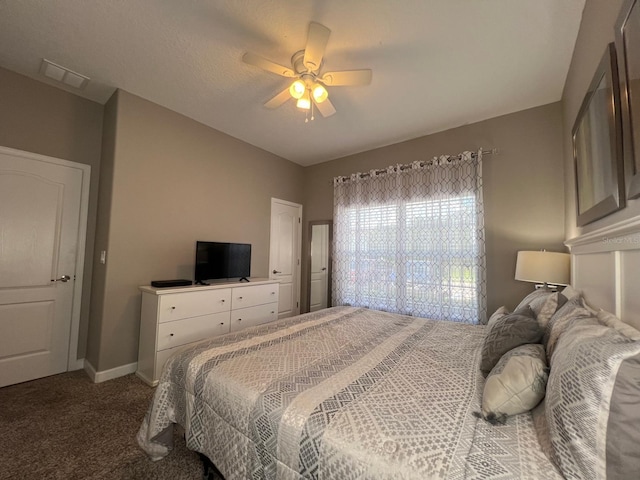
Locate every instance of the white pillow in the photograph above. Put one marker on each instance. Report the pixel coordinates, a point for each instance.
(550, 306)
(516, 384)
(570, 292)
(535, 300)
(610, 320)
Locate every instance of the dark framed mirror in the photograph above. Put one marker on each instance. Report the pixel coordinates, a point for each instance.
(628, 52)
(597, 145)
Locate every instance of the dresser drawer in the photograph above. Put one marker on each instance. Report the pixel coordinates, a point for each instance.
(162, 356)
(252, 316)
(243, 297)
(181, 332)
(192, 304)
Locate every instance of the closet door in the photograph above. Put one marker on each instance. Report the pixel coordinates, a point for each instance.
(284, 254)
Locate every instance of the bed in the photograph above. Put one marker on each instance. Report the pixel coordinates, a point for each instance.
(352, 393)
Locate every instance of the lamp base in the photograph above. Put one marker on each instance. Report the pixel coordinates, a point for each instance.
(548, 286)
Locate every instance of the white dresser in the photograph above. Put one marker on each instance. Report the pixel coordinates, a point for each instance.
(173, 318)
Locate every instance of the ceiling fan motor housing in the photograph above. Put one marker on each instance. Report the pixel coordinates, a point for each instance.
(297, 62)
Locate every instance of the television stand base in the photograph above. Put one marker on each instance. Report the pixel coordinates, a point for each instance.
(245, 279)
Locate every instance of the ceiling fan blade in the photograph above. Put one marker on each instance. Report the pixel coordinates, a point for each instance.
(268, 65)
(317, 39)
(279, 99)
(326, 108)
(347, 78)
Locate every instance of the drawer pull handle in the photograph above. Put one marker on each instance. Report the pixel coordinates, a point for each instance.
(273, 293)
(239, 298)
(239, 319)
(173, 308)
(171, 334)
(222, 300)
(273, 311)
(221, 323)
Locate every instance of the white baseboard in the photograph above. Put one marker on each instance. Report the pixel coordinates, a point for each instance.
(147, 380)
(103, 376)
(77, 365)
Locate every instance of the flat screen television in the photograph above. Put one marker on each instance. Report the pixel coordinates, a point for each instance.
(217, 260)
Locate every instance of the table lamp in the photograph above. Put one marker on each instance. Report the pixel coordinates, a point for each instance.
(545, 269)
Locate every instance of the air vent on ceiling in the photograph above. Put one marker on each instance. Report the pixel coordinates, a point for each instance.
(62, 74)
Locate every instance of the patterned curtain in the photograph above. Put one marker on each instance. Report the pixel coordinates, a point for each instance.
(410, 239)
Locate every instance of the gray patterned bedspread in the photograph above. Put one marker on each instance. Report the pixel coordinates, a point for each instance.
(344, 393)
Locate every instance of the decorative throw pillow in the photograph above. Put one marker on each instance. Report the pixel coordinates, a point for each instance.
(499, 313)
(535, 300)
(506, 333)
(516, 384)
(592, 404)
(572, 312)
(551, 305)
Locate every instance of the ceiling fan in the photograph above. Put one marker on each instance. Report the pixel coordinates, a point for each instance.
(309, 87)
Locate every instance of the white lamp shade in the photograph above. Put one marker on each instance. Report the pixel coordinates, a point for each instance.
(320, 93)
(543, 267)
(297, 89)
(304, 102)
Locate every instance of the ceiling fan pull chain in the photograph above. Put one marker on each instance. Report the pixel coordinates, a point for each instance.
(306, 120)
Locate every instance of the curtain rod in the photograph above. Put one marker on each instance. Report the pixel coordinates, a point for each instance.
(493, 151)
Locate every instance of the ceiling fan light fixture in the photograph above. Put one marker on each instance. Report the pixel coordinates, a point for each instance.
(308, 84)
(320, 93)
(297, 89)
(304, 102)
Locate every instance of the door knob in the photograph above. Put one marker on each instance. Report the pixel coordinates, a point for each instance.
(323, 268)
(63, 278)
(276, 271)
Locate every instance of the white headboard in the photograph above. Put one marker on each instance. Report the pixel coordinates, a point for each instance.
(605, 266)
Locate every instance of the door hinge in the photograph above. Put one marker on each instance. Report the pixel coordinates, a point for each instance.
(298, 261)
(297, 304)
(299, 220)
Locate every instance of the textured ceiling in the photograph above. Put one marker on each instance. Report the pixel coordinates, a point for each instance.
(436, 64)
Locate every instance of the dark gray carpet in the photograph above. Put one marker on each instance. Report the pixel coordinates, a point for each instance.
(66, 427)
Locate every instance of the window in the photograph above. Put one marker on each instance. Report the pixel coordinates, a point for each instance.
(401, 253)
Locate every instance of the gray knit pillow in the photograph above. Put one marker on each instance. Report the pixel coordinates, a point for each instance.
(499, 313)
(507, 333)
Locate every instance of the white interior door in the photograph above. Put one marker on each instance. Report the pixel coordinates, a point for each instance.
(40, 219)
(318, 293)
(284, 254)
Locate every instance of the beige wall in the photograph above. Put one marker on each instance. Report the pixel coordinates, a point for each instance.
(596, 31)
(39, 118)
(523, 187)
(110, 123)
(167, 182)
